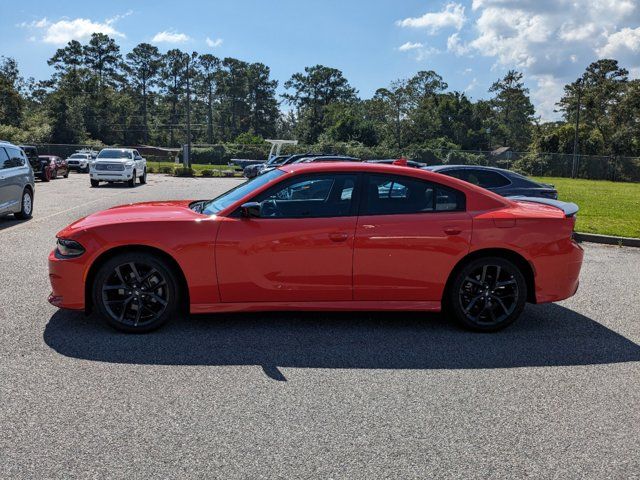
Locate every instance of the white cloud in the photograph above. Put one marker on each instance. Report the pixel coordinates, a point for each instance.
(452, 16)
(622, 43)
(553, 41)
(65, 30)
(409, 46)
(169, 36)
(472, 85)
(456, 46)
(213, 43)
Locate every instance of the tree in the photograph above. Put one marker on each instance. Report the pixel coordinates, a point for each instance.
(142, 65)
(512, 110)
(209, 74)
(263, 106)
(396, 104)
(173, 81)
(603, 86)
(313, 90)
(102, 55)
(69, 58)
(11, 102)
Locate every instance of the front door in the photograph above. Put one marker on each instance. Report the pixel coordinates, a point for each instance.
(300, 249)
(410, 235)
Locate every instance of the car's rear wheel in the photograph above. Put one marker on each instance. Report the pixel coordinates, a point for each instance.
(95, 183)
(45, 176)
(132, 182)
(26, 210)
(135, 292)
(143, 178)
(488, 294)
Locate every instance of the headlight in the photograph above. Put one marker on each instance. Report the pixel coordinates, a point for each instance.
(129, 165)
(69, 248)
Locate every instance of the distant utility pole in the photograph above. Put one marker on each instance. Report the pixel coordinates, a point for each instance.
(574, 166)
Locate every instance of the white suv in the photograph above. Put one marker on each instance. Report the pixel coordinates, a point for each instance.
(118, 165)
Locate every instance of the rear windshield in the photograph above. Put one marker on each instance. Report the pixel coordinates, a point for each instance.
(114, 154)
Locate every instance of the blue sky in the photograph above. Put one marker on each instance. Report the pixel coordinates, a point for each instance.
(470, 43)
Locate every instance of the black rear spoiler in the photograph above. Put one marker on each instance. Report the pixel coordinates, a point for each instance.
(569, 209)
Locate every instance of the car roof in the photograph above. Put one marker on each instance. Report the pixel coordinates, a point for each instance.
(436, 168)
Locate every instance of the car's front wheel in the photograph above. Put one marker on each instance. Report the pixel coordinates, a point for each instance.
(488, 294)
(135, 292)
(95, 183)
(132, 181)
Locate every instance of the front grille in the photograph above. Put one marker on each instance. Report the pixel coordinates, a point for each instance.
(112, 167)
(73, 162)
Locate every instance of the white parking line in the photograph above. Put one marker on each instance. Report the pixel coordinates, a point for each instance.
(39, 219)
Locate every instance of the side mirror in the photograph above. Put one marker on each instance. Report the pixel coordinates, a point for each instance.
(251, 210)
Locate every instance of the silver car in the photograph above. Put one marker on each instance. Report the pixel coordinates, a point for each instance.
(16, 182)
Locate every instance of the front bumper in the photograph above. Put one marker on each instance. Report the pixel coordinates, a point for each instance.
(67, 282)
(106, 176)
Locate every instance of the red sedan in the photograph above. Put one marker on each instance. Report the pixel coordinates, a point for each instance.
(321, 236)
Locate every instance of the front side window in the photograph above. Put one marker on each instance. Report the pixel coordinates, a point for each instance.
(5, 161)
(16, 158)
(310, 196)
(394, 194)
(225, 200)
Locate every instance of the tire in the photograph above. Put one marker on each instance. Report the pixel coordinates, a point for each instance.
(95, 183)
(149, 297)
(66, 174)
(45, 176)
(487, 294)
(54, 174)
(143, 178)
(85, 169)
(132, 182)
(26, 208)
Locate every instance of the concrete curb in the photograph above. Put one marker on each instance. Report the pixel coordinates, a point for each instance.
(608, 239)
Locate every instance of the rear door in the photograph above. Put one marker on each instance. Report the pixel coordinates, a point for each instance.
(299, 250)
(409, 236)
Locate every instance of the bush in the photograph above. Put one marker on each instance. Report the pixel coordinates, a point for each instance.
(532, 164)
(150, 169)
(184, 172)
(166, 169)
(464, 158)
(207, 173)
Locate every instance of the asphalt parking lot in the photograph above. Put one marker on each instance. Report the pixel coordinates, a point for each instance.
(364, 395)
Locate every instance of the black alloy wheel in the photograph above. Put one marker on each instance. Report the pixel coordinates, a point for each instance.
(135, 292)
(488, 294)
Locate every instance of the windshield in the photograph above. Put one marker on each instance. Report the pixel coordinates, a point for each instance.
(223, 201)
(114, 154)
(78, 155)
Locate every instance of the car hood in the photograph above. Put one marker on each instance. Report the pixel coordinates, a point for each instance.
(136, 212)
(112, 160)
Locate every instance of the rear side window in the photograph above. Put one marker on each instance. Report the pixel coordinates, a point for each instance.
(310, 196)
(393, 194)
(482, 178)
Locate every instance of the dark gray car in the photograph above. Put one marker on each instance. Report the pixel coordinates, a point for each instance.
(16, 182)
(503, 182)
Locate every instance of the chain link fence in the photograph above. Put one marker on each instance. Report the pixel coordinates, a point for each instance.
(215, 159)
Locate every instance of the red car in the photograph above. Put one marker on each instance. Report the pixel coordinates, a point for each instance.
(55, 166)
(321, 236)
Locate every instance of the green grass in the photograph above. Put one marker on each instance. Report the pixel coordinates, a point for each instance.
(197, 168)
(607, 208)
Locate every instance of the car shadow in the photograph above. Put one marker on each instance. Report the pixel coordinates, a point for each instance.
(9, 221)
(545, 335)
